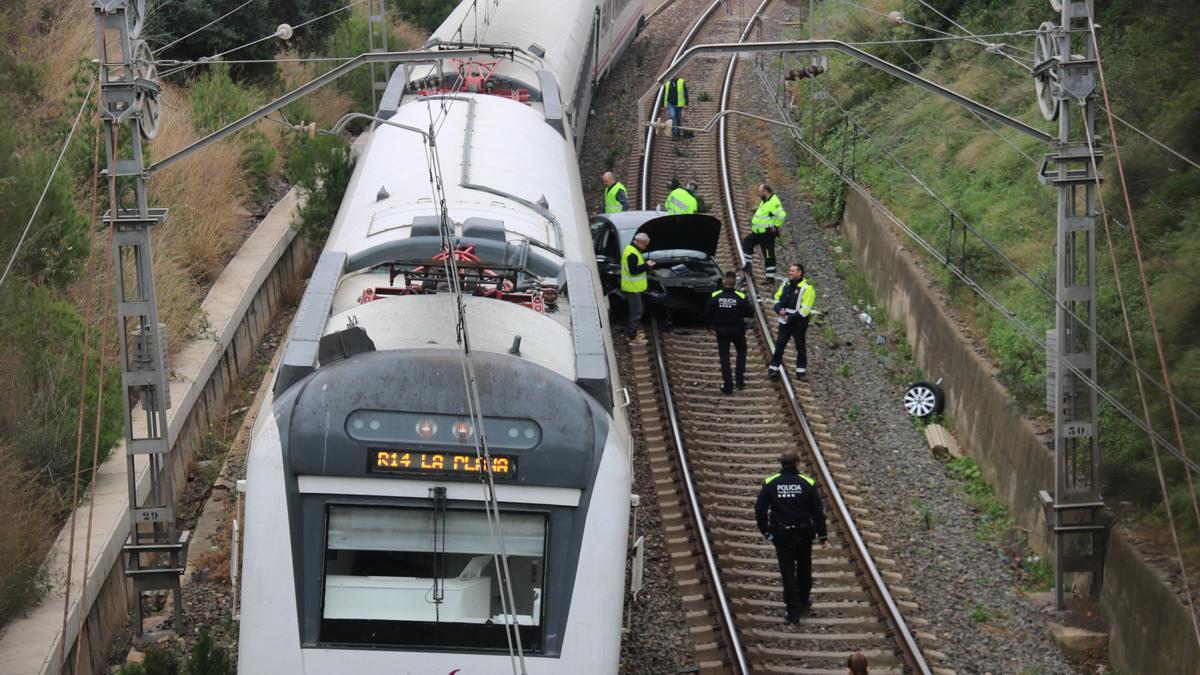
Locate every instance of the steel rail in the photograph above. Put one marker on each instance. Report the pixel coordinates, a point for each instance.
(733, 643)
(648, 145)
(892, 615)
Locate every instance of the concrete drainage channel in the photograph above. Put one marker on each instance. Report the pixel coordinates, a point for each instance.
(240, 307)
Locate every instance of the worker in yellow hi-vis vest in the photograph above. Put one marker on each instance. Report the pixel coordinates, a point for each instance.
(616, 199)
(634, 284)
(674, 96)
(765, 228)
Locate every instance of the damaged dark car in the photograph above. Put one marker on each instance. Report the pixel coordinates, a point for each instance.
(682, 248)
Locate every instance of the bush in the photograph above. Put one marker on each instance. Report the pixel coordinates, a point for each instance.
(216, 101)
(57, 241)
(160, 662)
(427, 14)
(352, 39)
(207, 658)
(173, 19)
(258, 163)
(321, 168)
(42, 335)
(26, 532)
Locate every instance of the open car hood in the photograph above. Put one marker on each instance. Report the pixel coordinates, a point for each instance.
(692, 232)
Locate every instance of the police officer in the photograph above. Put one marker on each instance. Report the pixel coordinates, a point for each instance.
(616, 198)
(765, 227)
(674, 96)
(726, 312)
(681, 200)
(794, 305)
(789, 515)
(634, 284)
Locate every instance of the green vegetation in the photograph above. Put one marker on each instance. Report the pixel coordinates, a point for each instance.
(1152, 75)
(50, 298)
(853, 412)
(981, 614)
(991, 517)
(321, 169)
(994, 526)
(924, 513)
(170, 20)
(216, 101)
(205, 658)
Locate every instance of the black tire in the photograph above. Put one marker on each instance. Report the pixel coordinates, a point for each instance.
(924, 399)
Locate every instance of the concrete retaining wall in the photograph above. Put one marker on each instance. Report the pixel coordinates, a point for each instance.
(239, 308)
(1150, 631)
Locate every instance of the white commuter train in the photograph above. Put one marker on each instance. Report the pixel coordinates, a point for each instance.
(367, 545)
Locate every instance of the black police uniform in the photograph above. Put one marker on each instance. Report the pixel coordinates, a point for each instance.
(793, 326)
(789, 514)
(727, 311)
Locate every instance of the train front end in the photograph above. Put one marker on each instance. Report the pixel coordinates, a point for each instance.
(377, 551)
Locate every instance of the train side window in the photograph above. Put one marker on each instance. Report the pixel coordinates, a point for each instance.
(416, 577)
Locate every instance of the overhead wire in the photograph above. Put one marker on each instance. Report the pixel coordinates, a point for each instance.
(1009, 262)
(218, 56)
(1162, 481)
(203, 28)
(989, 46)
(84, 357)
(998, 48)
(97, 413)
(1130, 125)
(975, 287)
(1163, 258)
(12, 258)
(479, 435)
(1157, 142)
(1158, 348)
(1157, 254)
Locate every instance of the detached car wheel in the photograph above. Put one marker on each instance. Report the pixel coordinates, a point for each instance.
(924, 399)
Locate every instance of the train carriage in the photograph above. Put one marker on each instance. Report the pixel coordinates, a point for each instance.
(372, 539)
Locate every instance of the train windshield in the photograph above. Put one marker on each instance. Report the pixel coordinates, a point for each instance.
(413, 577)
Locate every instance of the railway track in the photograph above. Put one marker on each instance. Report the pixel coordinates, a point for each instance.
(709, 452)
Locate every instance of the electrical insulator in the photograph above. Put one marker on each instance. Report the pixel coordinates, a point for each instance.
(896, 18)
(284, 32)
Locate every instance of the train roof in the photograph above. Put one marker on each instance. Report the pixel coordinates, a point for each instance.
(560, 30)
(504, 183)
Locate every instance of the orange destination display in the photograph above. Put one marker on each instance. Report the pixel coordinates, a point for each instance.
(439, 463)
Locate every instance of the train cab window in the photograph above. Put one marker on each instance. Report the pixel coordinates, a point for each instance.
(409, 577)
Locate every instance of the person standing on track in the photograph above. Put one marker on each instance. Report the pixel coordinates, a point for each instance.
(681, 200)
(616, 198)
(794, 304)
(789, 514)
(765, 228)
(674, 96)
(634, 284)
(726, 312)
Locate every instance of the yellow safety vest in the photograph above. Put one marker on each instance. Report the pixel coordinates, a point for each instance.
(768, 214)
(808, 296)
(611, 205)
(681, 201)
(632, 283)
(677, 86)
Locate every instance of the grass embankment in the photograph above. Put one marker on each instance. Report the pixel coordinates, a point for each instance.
(984, 176)
(53, 295)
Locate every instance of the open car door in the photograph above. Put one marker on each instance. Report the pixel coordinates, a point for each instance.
(607, 247)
